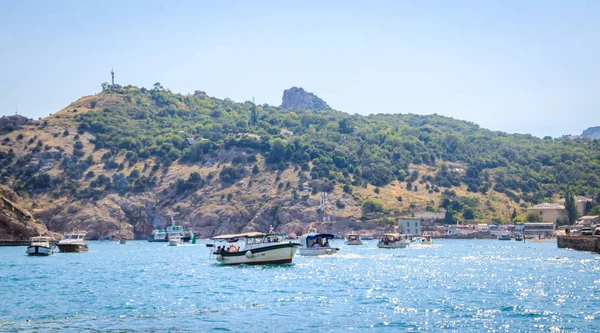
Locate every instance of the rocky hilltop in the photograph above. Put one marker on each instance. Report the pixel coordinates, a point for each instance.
(11, 123)
(124, 161)
(591, 133)
(298, 99)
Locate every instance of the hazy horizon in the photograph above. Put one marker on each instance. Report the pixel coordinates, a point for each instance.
(513, 67)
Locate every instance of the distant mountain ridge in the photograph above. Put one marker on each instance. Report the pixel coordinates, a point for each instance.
(591, 133)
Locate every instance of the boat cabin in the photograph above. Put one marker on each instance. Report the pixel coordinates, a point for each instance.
(352, 237)
(253, 240)
(73, 236)
(316, 240)
(386, 238)
(40, 241)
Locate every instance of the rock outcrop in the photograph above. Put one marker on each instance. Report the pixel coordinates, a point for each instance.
(11, 123)
(591, 133)
(298, 99)
(16, 223)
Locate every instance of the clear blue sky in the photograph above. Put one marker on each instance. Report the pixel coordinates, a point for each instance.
(515, 66)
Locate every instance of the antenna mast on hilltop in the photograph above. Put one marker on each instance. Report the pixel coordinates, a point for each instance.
(112, 73)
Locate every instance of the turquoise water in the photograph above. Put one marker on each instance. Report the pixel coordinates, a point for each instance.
(452, 286)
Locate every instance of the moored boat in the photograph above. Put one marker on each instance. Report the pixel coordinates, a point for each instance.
(158, 235)
(258, 249)
(392, 241)
(175, 241)
(316, 245)
(353, 239)
(40, 246)
(73, 242)
(518, 237)
(504, 237)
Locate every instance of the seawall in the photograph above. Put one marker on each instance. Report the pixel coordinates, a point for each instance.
(581, 243)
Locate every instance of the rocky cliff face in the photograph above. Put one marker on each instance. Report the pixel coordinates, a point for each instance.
(591, 133)
(16, 223)
(298, 99)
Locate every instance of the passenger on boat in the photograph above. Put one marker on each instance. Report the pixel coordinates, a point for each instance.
(327, 243)
(316, 245)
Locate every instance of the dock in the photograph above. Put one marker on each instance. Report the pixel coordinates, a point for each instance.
(580, 243)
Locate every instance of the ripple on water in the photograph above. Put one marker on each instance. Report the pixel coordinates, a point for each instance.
(455, 285)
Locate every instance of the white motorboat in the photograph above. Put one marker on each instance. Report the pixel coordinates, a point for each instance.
(392, 241)
(258, 249)
(316, 245)
(41, 246)
(175, 241)
(353, 239)
(73, 242)
(426, 239)
(158, 235)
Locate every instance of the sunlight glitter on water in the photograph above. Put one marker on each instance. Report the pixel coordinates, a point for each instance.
(463, 286)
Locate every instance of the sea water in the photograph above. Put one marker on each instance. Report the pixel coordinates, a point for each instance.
(451, 286)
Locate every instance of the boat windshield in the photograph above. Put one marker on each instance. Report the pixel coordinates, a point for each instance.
(265, 239)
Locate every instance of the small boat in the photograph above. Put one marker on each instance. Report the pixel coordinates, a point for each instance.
(353, 239)
(426, 239)
(122, 241)
(518, 237)
(73, 242)
(259, 249)
(158, 235)
(175, 241)
(316, 245)
(392, 241)
(504, 237)
(41, 246)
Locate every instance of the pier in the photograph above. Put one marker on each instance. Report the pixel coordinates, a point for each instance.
(581, 243)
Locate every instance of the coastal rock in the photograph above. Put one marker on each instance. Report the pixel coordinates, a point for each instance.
(299, 99)
(16, 223)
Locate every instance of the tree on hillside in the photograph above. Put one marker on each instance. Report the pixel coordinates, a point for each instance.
(514, 214)
(533, 217)
(570, 206)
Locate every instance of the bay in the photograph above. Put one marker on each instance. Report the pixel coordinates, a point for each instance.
(451, 286)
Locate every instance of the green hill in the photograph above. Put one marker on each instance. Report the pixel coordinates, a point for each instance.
(120, 161)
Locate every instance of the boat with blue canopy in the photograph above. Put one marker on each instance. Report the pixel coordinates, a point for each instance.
(317, 244)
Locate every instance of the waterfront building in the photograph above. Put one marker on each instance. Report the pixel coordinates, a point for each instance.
(428, 215)
(409, 226)
(550, 212)
(545, 229)
(588, 221)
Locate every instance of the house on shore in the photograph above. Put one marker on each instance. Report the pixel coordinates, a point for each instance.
(588, 221)
(409, 226)
(550, 212)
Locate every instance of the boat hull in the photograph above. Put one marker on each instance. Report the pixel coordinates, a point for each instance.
(275, 254)
(37, 250)
(425, 241)
(392, 245)
(353, 242)
(73, 247)
(152, 240)
(322, 251)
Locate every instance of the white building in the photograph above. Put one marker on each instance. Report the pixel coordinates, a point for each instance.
(409, 226)
(427, 215)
